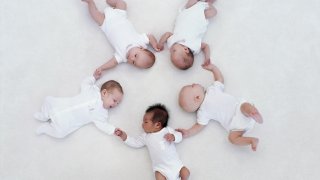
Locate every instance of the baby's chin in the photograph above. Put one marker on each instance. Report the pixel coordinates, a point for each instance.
(107, 106)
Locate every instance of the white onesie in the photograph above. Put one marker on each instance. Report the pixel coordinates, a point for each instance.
(121, 33)
(223, 108)
(164, 156)
(190, 27)
(70, 113)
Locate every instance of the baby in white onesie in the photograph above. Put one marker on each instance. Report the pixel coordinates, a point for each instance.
(235, 115)
(63, 116)
(159, 140)
(190, 27)
(130, 46)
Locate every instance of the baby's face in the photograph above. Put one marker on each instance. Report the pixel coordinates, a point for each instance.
(191, 97)
(147, 124)
(111, 99)
(179, 56)
(138, 57)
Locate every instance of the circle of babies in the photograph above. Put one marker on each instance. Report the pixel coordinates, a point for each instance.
(62, 116)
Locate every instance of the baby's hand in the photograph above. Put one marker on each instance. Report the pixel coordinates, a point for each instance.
(120, 133)
(169, 137)
(160, 46)
(97, 73)
(208, 65)
(117, 132)
(156, 48)
(184, 132)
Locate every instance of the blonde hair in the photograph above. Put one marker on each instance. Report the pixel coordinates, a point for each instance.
(185, 100)
(111, 85)
(152, 58)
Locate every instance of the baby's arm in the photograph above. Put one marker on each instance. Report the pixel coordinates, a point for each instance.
(130, 141)
(191, 3)
(153, 42)
(108, 65)
(196, 128)
(163, 40)
(206, 50)
(217, 75)
(105, 126)
(87, 83)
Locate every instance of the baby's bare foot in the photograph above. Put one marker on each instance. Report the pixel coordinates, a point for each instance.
(250, 111)
(254, 144)
(257, 117)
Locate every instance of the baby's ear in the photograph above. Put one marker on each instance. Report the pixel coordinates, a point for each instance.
(186, 49)
(104, 91)
(158, 124)
(197, 98)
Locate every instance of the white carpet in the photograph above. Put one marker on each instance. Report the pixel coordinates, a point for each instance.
(267, 50)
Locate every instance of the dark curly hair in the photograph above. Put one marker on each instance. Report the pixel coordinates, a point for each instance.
(159, 114)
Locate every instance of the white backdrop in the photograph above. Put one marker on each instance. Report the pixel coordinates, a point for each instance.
(268, 51)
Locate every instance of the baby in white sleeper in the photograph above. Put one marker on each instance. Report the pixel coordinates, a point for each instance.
(65, 115)
(159, 140)
(236, 116)
(130, 46)
(186, 39)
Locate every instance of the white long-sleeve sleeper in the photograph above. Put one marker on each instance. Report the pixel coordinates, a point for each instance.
(70, 113)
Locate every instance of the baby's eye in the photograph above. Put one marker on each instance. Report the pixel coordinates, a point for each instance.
(135, 55)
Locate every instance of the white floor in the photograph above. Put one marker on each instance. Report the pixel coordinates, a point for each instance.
(268, 51)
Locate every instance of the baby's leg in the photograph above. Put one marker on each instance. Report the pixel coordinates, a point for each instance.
(235, 137)
(49, 130)
(250, 111)
(118, 4)
(159, 176)
(94, 12)
(210, 12)
(191, 3)
(184, 173)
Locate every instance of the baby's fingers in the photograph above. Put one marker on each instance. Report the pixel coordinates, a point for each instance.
(168, 137)
(118, 132)
(160, 47)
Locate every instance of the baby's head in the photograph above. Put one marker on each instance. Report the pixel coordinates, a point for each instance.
(181, 56)
(191, 97)
(140, 57)
(155, 118)
(111, 94)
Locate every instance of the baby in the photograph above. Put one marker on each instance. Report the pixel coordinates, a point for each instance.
(130, 46)
(236, 116)
(190, 27)
(65, 115)
(159, 140)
